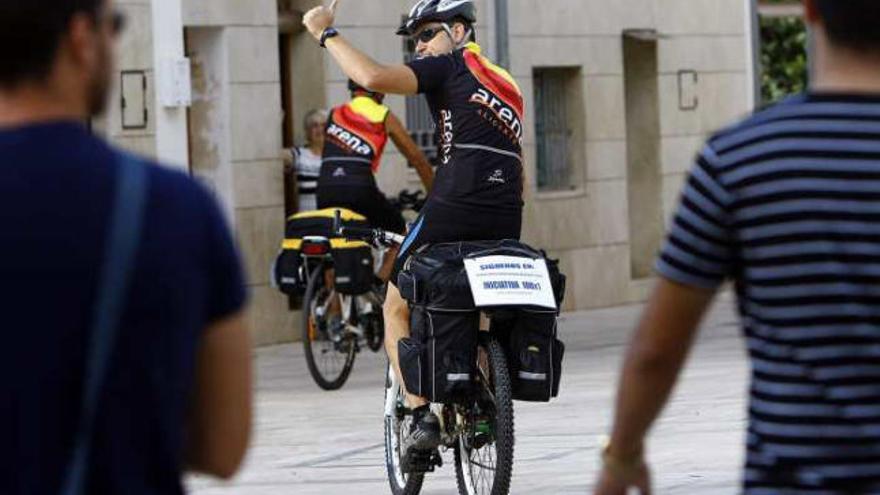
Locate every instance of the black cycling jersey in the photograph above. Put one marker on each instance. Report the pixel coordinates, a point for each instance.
(354, 140)
(478, 110)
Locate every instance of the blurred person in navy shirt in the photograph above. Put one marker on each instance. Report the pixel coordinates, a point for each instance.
(177, 394)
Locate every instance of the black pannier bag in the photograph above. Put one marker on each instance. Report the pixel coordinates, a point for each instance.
(288, 277)
(534, 355)
(289, 274)
(438, 360)
(441, 352)
(353, 267)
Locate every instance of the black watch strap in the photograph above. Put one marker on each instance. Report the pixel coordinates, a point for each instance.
(328, 33)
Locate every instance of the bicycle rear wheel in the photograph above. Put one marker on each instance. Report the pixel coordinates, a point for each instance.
(329, 362)
(396, 423)
(484, 451)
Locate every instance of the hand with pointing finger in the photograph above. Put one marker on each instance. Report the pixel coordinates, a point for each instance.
(320, 18)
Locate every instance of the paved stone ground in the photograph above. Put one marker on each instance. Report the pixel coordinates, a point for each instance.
(313, 442)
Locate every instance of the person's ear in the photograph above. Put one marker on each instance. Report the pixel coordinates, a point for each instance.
(460, 32)
(81, 40)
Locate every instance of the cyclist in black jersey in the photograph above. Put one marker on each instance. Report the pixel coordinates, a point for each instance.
(478, 110)
(354, 141)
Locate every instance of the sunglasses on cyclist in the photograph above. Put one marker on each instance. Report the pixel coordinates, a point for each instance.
(428, 34)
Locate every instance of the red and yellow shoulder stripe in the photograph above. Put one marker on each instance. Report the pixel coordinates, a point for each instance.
(368, 108)
(493, 77)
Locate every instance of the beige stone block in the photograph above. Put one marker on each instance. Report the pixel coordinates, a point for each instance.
(135, 47)
(593, 54)
(700, 16)
(672, 185)
(605, 104)
(337, 94)
(576, 17)
(255, 121)
(606, 159)
(558, 222)
(722, 100)
(674, 120)
(259, 232)
(702, 53)
(376, 13)
(529, 164)
(258, 184)
(728, 100)
(306, 80)
(598, 276)
(269, 319)
(379, 43)
(607, 211)
(230, 12)
(253, 54)
(678, 152)
(527, 87)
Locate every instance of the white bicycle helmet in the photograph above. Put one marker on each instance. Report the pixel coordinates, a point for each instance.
(438, 11)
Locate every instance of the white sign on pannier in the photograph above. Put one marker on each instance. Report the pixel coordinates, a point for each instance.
(510, 281)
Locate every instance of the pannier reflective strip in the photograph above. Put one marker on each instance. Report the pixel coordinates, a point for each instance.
(458, 377)
(532, 376)
(296, 244)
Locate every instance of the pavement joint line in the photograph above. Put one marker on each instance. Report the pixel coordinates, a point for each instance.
(336, 457)
(557, 455)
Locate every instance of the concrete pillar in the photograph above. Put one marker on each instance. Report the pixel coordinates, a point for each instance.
(172, 146)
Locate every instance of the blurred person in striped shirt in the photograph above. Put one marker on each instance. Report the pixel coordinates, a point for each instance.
(785, 204)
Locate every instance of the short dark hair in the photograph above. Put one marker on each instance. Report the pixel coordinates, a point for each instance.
(851, 23)
(30, 34)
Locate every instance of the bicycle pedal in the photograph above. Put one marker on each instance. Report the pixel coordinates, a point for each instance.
(421, 462)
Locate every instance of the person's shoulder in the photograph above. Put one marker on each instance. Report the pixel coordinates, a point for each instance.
(754, 122)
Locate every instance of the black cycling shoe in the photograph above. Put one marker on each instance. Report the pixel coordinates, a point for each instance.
(420, 444)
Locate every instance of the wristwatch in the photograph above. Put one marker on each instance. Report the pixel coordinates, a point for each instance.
(328, 33)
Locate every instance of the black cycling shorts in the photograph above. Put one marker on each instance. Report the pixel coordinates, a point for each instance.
(442, 223)
(364, 199)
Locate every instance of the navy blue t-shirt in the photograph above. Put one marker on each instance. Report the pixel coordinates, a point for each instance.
(56, 185)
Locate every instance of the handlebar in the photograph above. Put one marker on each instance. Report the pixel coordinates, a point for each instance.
(376, 237)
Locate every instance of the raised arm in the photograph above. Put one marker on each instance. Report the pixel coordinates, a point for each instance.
(364, 70)
(410, 150)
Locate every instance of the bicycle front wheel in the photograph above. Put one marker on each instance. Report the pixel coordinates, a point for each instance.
(329, 361)
(484, 450)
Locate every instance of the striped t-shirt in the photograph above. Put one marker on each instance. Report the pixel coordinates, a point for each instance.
(787, 205)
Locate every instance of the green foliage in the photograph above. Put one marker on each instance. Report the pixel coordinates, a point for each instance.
(783, 57)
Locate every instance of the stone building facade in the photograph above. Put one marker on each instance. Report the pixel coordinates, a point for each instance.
(619, 96)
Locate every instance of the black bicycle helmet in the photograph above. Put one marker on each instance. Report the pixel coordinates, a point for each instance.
(353, 86)
(437, 11)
